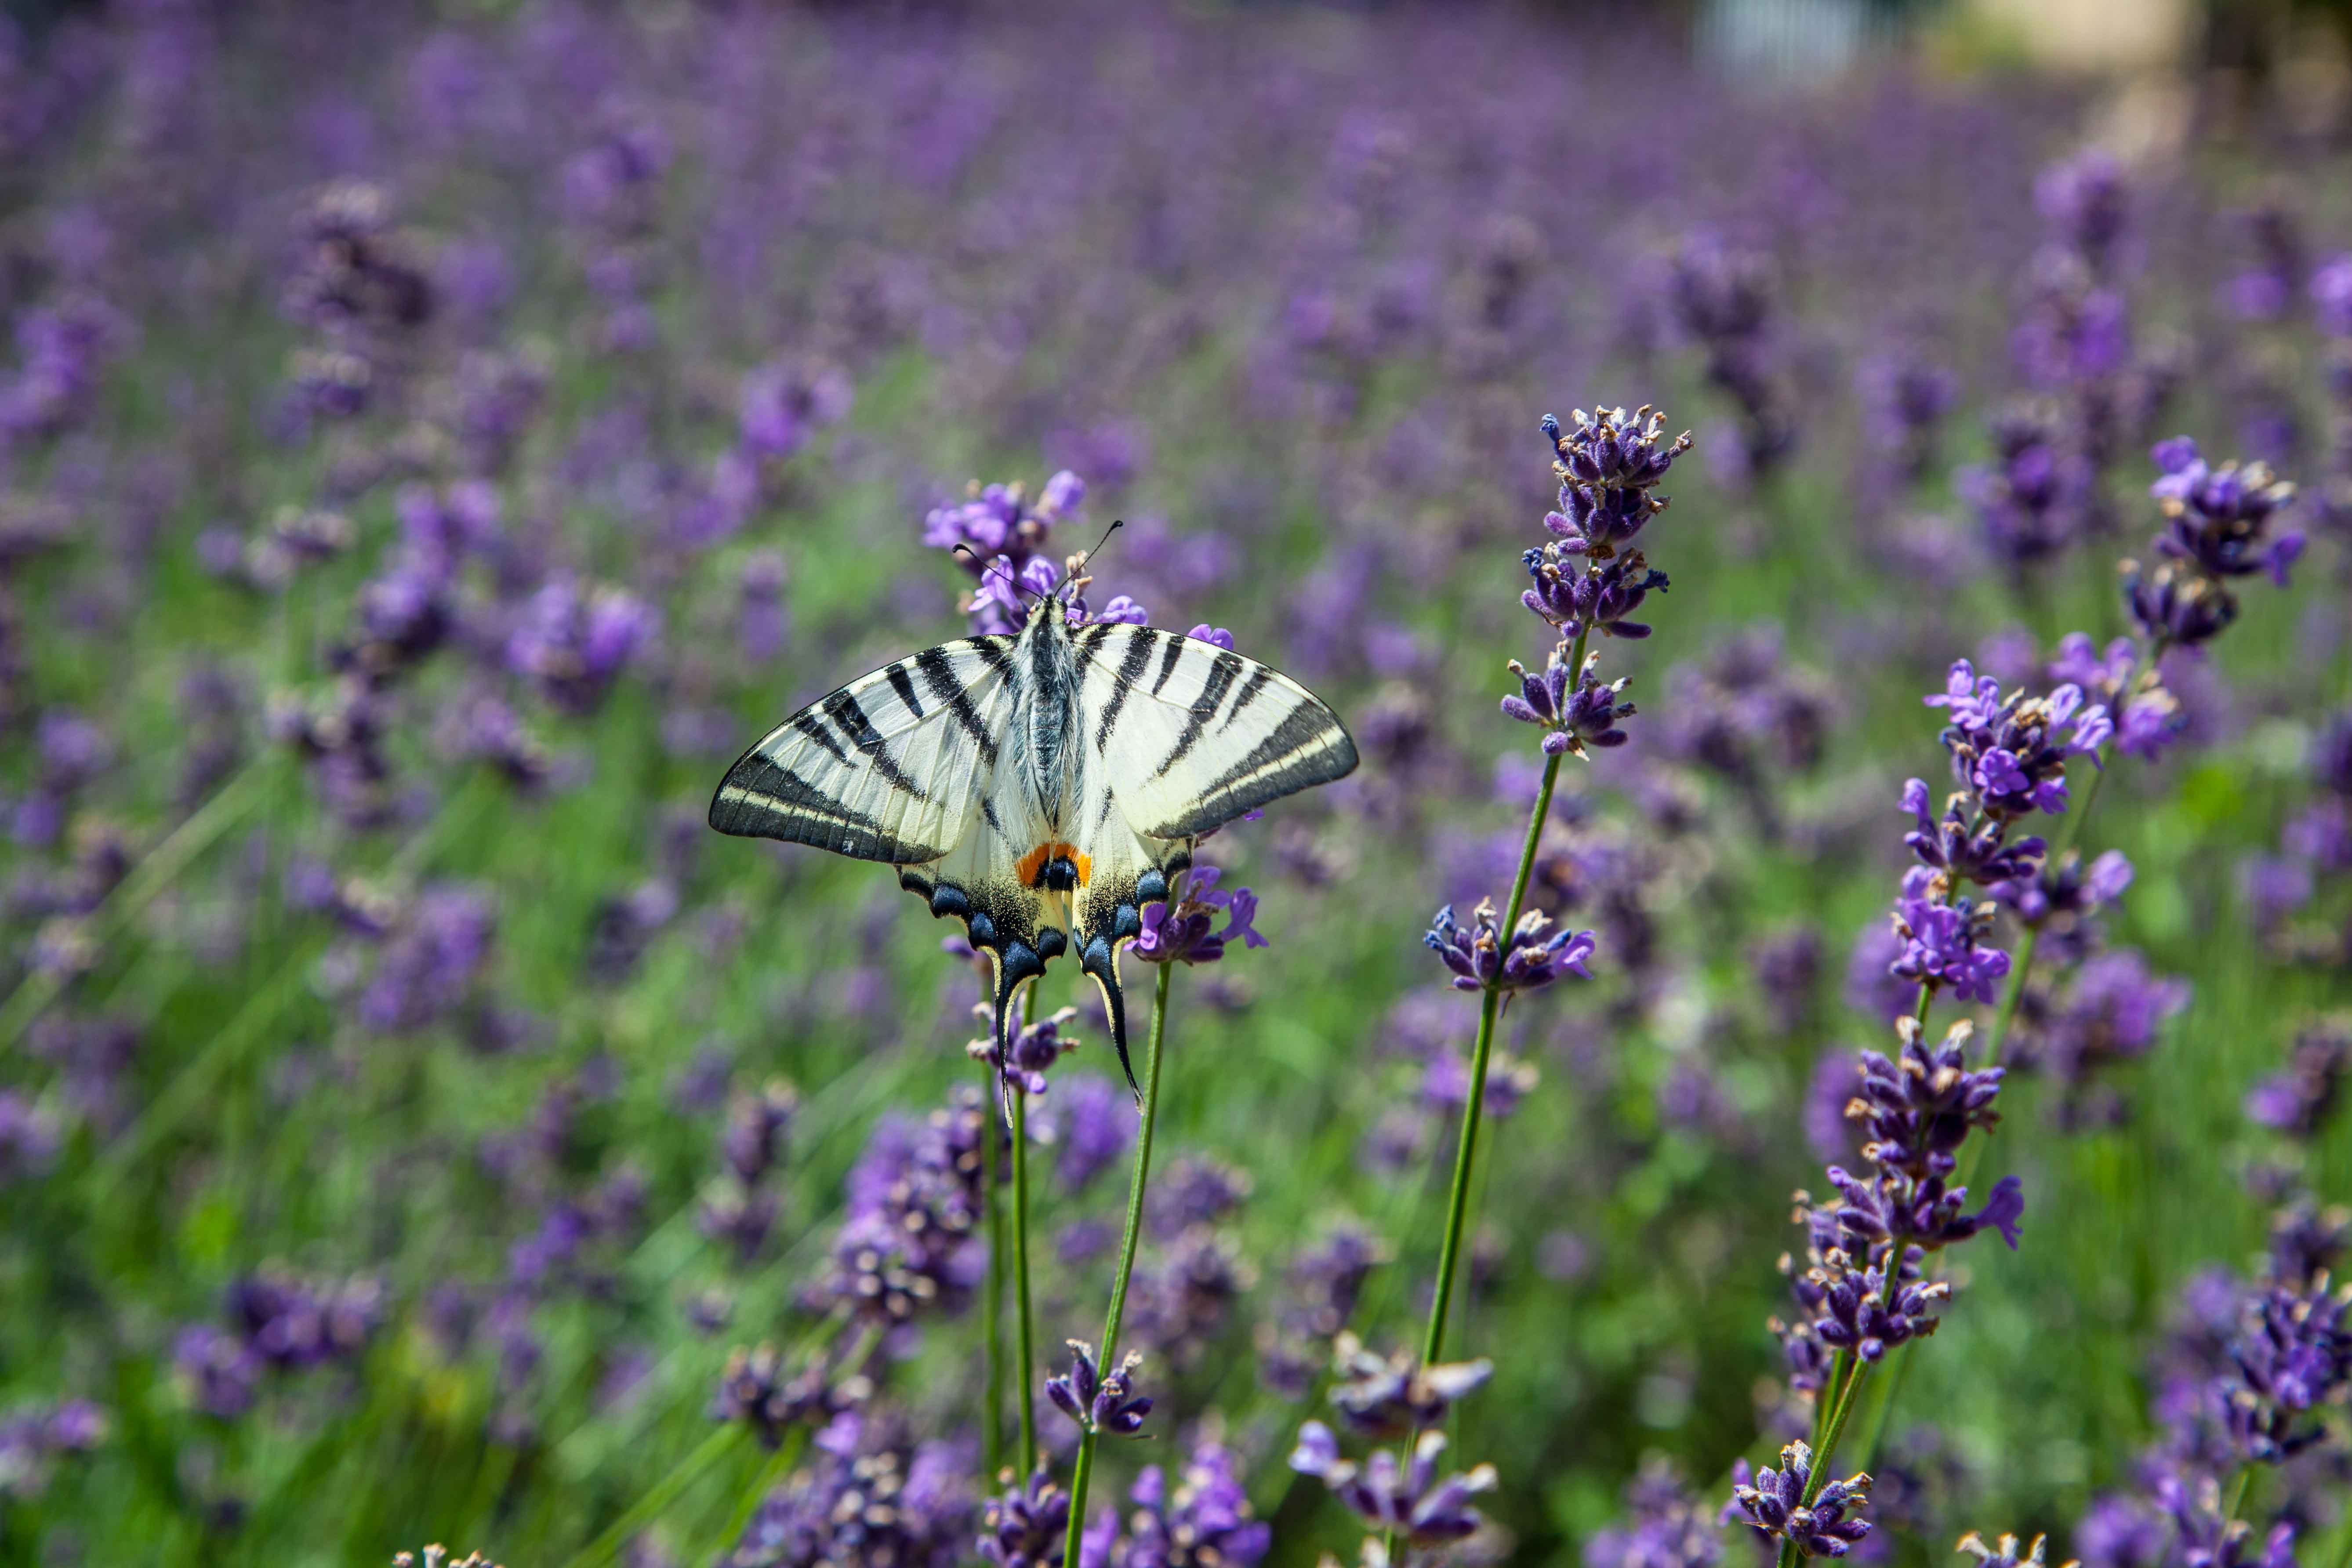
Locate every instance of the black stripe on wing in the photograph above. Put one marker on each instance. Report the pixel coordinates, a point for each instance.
(1224, 670)
(1130, 670)
(1307, 748)
(851, 720)
(939, 674)
(759, 799)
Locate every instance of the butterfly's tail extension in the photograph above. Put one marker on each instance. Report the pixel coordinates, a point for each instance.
(1101, 961)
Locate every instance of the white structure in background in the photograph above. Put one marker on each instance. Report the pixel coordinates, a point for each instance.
(1806, 41)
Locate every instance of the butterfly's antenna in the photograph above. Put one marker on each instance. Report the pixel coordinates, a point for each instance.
(1018, 586)
(1090, 556)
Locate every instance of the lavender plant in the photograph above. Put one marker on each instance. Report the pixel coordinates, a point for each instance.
(429, 441)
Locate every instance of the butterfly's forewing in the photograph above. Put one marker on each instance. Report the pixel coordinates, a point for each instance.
(1190, 735)
(891, 767)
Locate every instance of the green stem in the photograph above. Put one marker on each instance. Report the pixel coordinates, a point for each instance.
(665, 1491)
(2237, 1495)
(1822, 1456)
(992, 1307)
(201, 829)
(1083, 1472)
(1028, 1356)
(1466, 1153)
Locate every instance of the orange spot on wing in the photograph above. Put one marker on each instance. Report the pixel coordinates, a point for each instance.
(1031, 868)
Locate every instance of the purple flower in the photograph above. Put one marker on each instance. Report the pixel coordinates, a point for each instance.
(2065, 890)
(573, 645)
(1388, 1397)
(2300, 1100)
(1940, 941)
(2010, 754)
(2006, 1555)
(1608, 464)
(753, 1142)
(2331, 295)
(1571, 719)
(1669, 1527)
(996, 534)
(1204, 1519)
(2293, 1355)
(1916, 1108)
(784, 405)
(1096, 1400)
(431, 963)
(1482, 959)
(1180, 932)
(756, 1390)
(1026, 1525)
(1970, 846)
(1408, 1497)
(2087, 204)
(1774, 1503)
(30, 1137)
(1093, 1120)
(2204, 1537)
(2121, 1532)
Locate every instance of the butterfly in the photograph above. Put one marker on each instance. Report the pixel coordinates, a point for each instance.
(1042, 786)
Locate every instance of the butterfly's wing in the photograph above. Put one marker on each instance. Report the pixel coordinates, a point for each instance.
(1180, 736)
(891, 767)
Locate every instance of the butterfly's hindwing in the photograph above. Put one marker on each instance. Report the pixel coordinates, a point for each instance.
(1192, 735)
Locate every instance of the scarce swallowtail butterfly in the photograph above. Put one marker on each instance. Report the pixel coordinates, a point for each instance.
(1040, 787)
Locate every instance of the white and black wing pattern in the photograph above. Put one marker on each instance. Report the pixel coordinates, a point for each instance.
(891, 767)
(1190, 735)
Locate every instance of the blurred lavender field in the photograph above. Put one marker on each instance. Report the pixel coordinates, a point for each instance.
(437, 440)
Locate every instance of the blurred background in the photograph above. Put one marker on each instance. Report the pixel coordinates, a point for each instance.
(436, 439)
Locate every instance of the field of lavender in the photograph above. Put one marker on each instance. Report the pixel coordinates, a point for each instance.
(437, 441)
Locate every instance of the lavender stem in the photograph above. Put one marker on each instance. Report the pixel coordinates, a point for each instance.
(1083, 1471)
(198, 833)
(664, 1492)
(991, 1306)
(1458, 1203)
(1027, 1362)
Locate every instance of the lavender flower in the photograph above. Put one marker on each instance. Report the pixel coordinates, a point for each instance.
(2005, 1556)
(1096, 1400)
(1182, 931)
(1942, 943)
(573, 645)
(1384, 1397)
(2217, 523)
(2204, 1537)
(756, 1390)
(1026, 1525)
(1204, 1519)
(1571, 719)
(1033, 1049)
(2009, 756)
(1407, 1499)
(1773, 1502)
(2293, 1355)
(1000, 532)
(1482, 959)
(2217, 519)
(2300, 1102)
(1669, 1528)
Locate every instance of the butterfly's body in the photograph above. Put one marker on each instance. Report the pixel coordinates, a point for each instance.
(1041, 788)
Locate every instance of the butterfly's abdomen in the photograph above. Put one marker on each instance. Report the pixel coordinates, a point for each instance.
(1050, 720)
